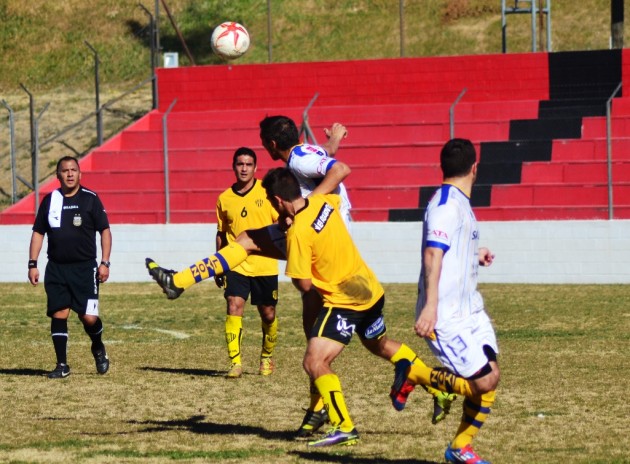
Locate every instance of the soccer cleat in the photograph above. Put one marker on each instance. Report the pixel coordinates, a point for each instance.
(266, 366)
(312, 421)
(464, 455)
(164, 278)
(442, 406)
(235, 371)
(61, 371)
(401, 388)
(336, 437)
(102, 361)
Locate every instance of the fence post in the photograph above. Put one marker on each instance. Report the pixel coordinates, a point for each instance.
(167, 195)
(12, 152)
(609, 149)
(31, 111)
(153, 56)
(401, 21)
(99, 113)
(451, 112)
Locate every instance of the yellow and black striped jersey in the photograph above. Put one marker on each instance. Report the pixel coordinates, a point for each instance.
(320, 248)
(237, 212)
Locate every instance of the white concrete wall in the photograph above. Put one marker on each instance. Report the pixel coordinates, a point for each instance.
(526, 252)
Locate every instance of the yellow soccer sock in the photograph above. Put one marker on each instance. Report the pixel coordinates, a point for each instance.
(404, 352)
(233, 336)
(476, 411)
(317, 403)
(440, 379)
(223, 260)
(329, 387)
(270, 336)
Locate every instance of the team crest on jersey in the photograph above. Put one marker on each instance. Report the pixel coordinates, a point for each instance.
(322, 217)
(76, 221)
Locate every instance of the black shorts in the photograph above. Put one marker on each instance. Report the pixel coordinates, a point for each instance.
(339, 324)
(264, 289)
(73, 286)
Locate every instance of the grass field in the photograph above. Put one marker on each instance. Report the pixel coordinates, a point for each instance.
(565, 356)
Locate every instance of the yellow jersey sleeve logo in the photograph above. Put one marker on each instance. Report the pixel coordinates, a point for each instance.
(322, 217)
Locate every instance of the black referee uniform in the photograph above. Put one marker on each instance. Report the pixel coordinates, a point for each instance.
(72, 278)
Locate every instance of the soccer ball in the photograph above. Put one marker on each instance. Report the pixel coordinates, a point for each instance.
(230, 40)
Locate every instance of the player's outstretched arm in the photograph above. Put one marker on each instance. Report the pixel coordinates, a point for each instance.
(335, 135)
(334, 176)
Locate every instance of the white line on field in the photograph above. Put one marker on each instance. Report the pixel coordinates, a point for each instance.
(173, 333)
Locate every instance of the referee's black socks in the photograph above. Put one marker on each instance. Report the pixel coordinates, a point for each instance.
(94, 332)
(59, 334)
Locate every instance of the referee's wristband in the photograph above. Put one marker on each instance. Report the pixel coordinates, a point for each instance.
(106, 264)
(32, 263)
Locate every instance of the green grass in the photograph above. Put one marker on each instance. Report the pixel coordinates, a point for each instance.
(564, 358)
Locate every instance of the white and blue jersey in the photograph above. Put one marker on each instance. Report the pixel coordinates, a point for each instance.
(463, 328)
(450, 225)
(310, 163)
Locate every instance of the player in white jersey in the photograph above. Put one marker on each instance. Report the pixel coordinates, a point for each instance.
(450, 313)
(310, 163)
(450, 225)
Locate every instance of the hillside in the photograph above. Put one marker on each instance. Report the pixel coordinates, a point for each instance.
(43, 48)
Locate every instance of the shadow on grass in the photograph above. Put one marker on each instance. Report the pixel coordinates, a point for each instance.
(200, 372)
(349, 459)
(195, 424)
(27, 372)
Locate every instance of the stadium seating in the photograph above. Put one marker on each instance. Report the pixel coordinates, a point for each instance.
(538, 121)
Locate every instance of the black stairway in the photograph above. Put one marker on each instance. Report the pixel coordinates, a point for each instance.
(580, 83)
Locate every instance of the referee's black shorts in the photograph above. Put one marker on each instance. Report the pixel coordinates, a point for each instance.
(73, 286)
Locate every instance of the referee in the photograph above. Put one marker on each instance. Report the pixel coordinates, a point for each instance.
(70, 216)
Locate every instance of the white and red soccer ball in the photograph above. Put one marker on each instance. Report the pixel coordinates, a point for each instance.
(230, 40)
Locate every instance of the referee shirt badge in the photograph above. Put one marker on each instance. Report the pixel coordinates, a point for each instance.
(77, 220)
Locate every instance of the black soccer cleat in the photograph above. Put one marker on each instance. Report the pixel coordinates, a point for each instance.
(102, 361)
(164, 278)
(61, 371)
(312, 422)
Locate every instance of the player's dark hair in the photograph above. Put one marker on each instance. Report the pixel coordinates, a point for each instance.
(243, 151)
(457, 158)
(280, 129)
(282, 183)
(67, 158)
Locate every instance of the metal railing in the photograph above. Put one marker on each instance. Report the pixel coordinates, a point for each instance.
(305, 128)
(609, 150)
(36, 145)
(167, 188)
(12, 152)
(451, 112)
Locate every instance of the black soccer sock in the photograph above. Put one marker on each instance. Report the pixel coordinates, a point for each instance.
(59, 334)
(94, 331)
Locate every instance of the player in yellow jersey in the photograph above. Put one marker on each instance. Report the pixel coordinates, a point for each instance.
(241, 207)
(318, 173)
(322, 256)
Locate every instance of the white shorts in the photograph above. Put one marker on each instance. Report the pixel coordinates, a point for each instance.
(459, 345)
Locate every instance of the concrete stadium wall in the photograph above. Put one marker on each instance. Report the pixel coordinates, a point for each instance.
(553, 252)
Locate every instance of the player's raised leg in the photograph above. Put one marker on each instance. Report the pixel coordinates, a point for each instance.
(268, 241)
